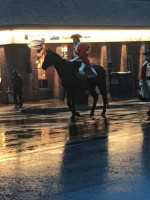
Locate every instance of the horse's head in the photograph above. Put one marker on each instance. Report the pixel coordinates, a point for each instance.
(49, 59)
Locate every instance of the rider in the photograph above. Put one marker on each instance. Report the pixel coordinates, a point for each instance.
(79, 53)
(145, 73)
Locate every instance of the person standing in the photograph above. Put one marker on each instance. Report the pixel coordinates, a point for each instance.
(145, 70)
(17, 86)
(145, 77)
(79, 52)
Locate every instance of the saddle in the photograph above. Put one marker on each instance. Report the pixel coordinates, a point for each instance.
(90, 72)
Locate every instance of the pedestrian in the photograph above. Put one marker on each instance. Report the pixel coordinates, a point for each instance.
(17, 86)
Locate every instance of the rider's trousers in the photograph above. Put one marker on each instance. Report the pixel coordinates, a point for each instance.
(81, 69)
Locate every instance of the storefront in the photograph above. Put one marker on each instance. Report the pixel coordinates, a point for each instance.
(117, 38)
(111, 49)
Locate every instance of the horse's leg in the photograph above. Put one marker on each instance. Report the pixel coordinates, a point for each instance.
(148, 112)
(74, 112)
(95, 99)
(104, 96)
(71, 104)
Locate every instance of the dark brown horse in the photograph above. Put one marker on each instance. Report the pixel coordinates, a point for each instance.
(67, 72)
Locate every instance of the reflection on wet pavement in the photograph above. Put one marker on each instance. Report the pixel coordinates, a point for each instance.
(25, 133)
(36, 161)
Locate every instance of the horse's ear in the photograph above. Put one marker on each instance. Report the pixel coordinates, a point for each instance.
(50, 51)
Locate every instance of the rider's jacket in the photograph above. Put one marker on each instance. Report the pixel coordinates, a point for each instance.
(80, 50)
(145, 71)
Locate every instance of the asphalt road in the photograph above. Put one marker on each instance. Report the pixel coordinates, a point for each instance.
(46, 157)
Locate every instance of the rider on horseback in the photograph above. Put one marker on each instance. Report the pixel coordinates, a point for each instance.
(79, 53)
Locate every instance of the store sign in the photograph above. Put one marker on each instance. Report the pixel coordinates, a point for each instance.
(66, 37)
(35, 44)
(87, 37)
(54, 37)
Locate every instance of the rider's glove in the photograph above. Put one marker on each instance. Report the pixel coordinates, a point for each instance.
(141, 84)
(74, 59)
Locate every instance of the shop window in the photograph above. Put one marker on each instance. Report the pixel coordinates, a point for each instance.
(64, 51)
(43, 82)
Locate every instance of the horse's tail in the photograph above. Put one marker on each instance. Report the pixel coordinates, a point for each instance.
(106, 97)
(102, 82)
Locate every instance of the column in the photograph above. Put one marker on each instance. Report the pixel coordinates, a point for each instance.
(142, 57)
(123, 64)
(33, 93)
(104, 63)
(56, 89)
(4, 76)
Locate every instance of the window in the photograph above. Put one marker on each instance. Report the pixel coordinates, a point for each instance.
(64, 51)
(43, 82)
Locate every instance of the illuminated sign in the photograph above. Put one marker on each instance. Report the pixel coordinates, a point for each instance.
(54, 37)
(63, 36)
(35, 44)
(87, 36)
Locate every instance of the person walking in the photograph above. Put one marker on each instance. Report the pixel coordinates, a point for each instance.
(17, 86)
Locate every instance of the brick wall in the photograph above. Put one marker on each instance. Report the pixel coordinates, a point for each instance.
(123, 62)
(51, 72)
(95, 53)
(4, 77)
(18, 57)
(32, 89)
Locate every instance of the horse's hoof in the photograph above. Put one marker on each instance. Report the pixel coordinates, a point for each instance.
(103, 114)
(148, 119)
(148, 113)
(77, 114)
(72, 118)
(92, 114)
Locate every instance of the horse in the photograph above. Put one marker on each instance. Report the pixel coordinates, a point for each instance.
(67, 72)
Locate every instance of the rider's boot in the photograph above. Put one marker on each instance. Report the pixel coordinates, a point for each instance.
(81, 69)
(94, 71)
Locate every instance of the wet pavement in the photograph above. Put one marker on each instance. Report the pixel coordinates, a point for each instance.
(45, 156)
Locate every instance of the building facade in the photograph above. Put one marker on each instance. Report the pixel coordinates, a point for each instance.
(117, 41)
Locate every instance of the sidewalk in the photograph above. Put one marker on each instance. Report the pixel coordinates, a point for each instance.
(56, 105)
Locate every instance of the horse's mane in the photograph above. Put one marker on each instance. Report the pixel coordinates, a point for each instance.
(74, 65)
(65, 60)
